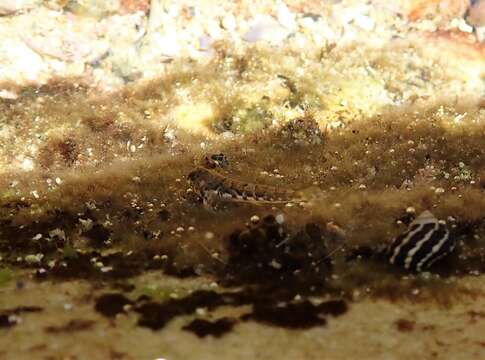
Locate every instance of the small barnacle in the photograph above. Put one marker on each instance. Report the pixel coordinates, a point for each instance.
(426, 241)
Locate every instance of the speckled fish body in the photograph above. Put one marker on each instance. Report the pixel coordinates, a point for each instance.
(426, 241)
(207, 182)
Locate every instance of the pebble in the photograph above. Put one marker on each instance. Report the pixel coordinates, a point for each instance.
(275, 264)
(464, 27)
(364, 22)
(266, 29)
(9, 6)
(254, 219)
(229, 22)
(285, 17)
(167, 45)
(205, 43)
(209, 235)
(201, 311)
(41, 272)
(280, 218)
(33, 258)
(9, 95)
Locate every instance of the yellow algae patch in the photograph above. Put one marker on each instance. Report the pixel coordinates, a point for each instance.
(196, 118)
(352, 99)
(254, 92)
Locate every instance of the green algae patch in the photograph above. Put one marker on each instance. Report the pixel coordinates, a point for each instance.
(159, 292)
(6, 275)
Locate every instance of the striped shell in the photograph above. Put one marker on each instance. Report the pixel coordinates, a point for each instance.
(426, 241)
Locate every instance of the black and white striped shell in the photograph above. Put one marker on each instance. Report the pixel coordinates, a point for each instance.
(426, 241)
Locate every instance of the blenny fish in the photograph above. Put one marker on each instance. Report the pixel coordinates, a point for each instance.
(213, 186)
(426, 241)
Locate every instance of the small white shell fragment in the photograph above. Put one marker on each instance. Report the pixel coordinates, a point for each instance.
(410, 210)
(229, 22)
(201, 311)
(254, 219)
(27, 165)
(57, 232)
(86, 224)
(280, 218)
(275, 264)
(364, 22)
